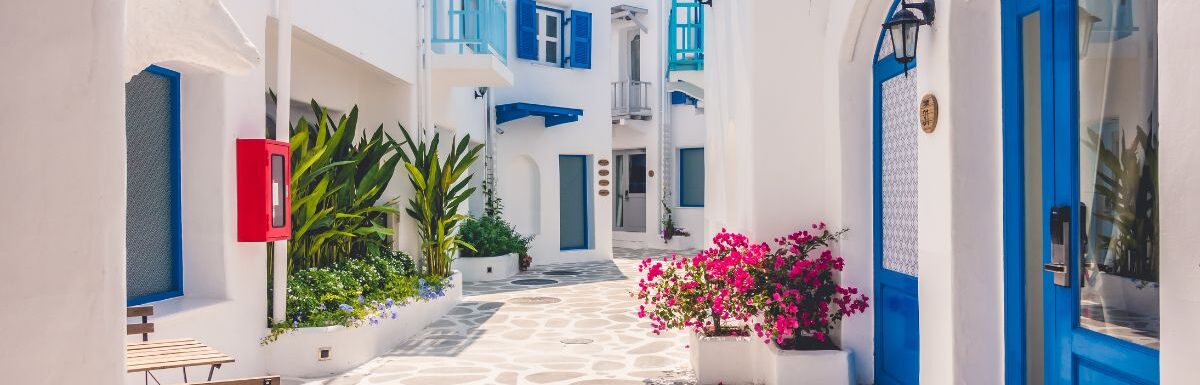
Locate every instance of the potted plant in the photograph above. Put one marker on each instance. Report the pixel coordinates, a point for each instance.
(800, 305)
(498, 248)
(440, 186)
(710, 295)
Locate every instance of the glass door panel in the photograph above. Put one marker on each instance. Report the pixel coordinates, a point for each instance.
(1118, 169)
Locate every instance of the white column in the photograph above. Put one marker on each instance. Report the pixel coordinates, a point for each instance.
(283, 83)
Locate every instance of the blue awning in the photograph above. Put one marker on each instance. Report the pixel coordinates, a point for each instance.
(554, 115)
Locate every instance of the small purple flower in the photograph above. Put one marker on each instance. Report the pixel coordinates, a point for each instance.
(373, 321)
(360, 299)
(321, 307)
(346, 308)
(391, 303)
(393, 314)
(295, 324)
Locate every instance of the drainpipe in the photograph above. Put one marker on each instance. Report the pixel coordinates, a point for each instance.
(283, 83)
(423, 76)
(664, 106)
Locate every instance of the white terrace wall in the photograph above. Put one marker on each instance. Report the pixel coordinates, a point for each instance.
(63, 205)
(528, 139)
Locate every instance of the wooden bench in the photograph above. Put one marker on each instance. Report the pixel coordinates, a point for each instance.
(147, 356)
(245, 381)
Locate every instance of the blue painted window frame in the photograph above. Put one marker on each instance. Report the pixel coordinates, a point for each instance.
(587, 217)
(176, 204)
(682, 181)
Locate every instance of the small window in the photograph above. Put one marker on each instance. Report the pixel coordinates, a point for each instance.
(153, 245)
(550, 24)
(691, 177)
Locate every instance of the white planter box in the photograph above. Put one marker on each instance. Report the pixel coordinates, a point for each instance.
(723, 360)
(296, 354)
(804, 367)
(486, 268)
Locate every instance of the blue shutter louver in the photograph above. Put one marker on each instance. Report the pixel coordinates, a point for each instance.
(527, 30)
(581, 39)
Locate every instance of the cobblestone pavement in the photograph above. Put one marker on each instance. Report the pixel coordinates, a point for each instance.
(557, 324)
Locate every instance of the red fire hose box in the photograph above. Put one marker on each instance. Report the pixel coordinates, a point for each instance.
(264, 172)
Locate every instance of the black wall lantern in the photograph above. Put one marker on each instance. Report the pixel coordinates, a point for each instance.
(904, 27)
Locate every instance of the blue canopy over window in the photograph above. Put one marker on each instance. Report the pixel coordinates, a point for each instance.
(554, 115)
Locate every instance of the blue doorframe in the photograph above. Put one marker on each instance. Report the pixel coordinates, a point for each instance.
(1073, 355)
(897, 332)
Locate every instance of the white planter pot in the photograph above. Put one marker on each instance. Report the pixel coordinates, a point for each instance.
(804, 367)
(487, 268)
(296, 354)
(723, 360)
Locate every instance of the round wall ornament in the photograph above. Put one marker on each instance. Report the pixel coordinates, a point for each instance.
(929, 113)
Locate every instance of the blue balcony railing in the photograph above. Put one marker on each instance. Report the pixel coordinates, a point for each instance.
(685, 47)
(471, 26)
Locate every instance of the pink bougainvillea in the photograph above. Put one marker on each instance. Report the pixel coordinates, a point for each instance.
(785, 295)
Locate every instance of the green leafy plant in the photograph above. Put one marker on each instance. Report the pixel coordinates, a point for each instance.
(440, 188)
(492, 236)
(355, 292)
(337, 184)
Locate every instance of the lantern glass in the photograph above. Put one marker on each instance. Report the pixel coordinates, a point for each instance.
(910, 40)
(897, 34)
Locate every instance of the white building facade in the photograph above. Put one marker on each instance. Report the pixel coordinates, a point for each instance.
(603, 119)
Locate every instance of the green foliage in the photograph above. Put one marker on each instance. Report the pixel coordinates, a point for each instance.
(337, 184)
(492, 236)
(355, 291)
(493, 206)
(440, 188)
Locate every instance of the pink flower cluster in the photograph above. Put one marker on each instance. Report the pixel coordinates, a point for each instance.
(786, 295)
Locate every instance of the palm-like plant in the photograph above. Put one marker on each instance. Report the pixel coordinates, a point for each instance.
(440, 188)
(337, 185)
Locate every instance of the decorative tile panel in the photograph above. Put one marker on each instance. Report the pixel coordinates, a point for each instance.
(899, 173)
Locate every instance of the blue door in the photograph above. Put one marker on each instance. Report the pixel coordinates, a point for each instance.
(573, 202)
(1081, 125)
(897, 337)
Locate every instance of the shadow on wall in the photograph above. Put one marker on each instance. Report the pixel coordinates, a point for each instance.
(520, 187)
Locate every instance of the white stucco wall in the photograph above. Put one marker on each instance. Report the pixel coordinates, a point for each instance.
(592, 136)
(380, 32)
(63, 232)
(1179, 88)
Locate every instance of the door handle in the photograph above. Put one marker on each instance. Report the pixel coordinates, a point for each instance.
(1060, 245)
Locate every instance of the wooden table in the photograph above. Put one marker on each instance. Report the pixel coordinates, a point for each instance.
(169, 354)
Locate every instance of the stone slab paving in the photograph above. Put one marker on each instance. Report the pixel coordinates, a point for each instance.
(572, 324)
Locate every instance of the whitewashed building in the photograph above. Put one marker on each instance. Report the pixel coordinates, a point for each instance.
(1017, 182)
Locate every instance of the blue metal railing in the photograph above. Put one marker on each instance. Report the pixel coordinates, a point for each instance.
(480, 26)
(685, 47)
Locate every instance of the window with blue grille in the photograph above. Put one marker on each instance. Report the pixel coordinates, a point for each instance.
(542, 35)
(153, 244)
(691, 177)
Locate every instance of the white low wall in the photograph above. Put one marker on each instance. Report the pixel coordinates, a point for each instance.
(295, 354)
(487, 268)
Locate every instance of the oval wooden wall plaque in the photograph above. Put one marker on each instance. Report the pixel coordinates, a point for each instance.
(929, 113)
(603, 193)
(603, 162)
(603, 172)
(604, 182)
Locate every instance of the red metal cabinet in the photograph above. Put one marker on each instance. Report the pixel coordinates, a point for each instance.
(264, 172)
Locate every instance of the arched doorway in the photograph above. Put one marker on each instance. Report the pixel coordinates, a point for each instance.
(897, 336)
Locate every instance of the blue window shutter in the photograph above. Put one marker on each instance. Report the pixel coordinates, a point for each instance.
(581, 39)
(527, 30)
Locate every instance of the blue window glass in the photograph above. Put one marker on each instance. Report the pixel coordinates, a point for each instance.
(691, 177)
(153, 245)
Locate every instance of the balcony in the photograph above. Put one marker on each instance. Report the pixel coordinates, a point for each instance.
(470, 43)
(631, 100)
(685, 47)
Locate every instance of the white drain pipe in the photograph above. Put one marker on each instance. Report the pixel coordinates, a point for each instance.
(283, 93)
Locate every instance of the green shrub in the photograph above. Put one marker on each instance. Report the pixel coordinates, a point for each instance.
(354, 292)
(492, 236)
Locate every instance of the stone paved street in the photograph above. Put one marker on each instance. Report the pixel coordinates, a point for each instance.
(557, 324)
